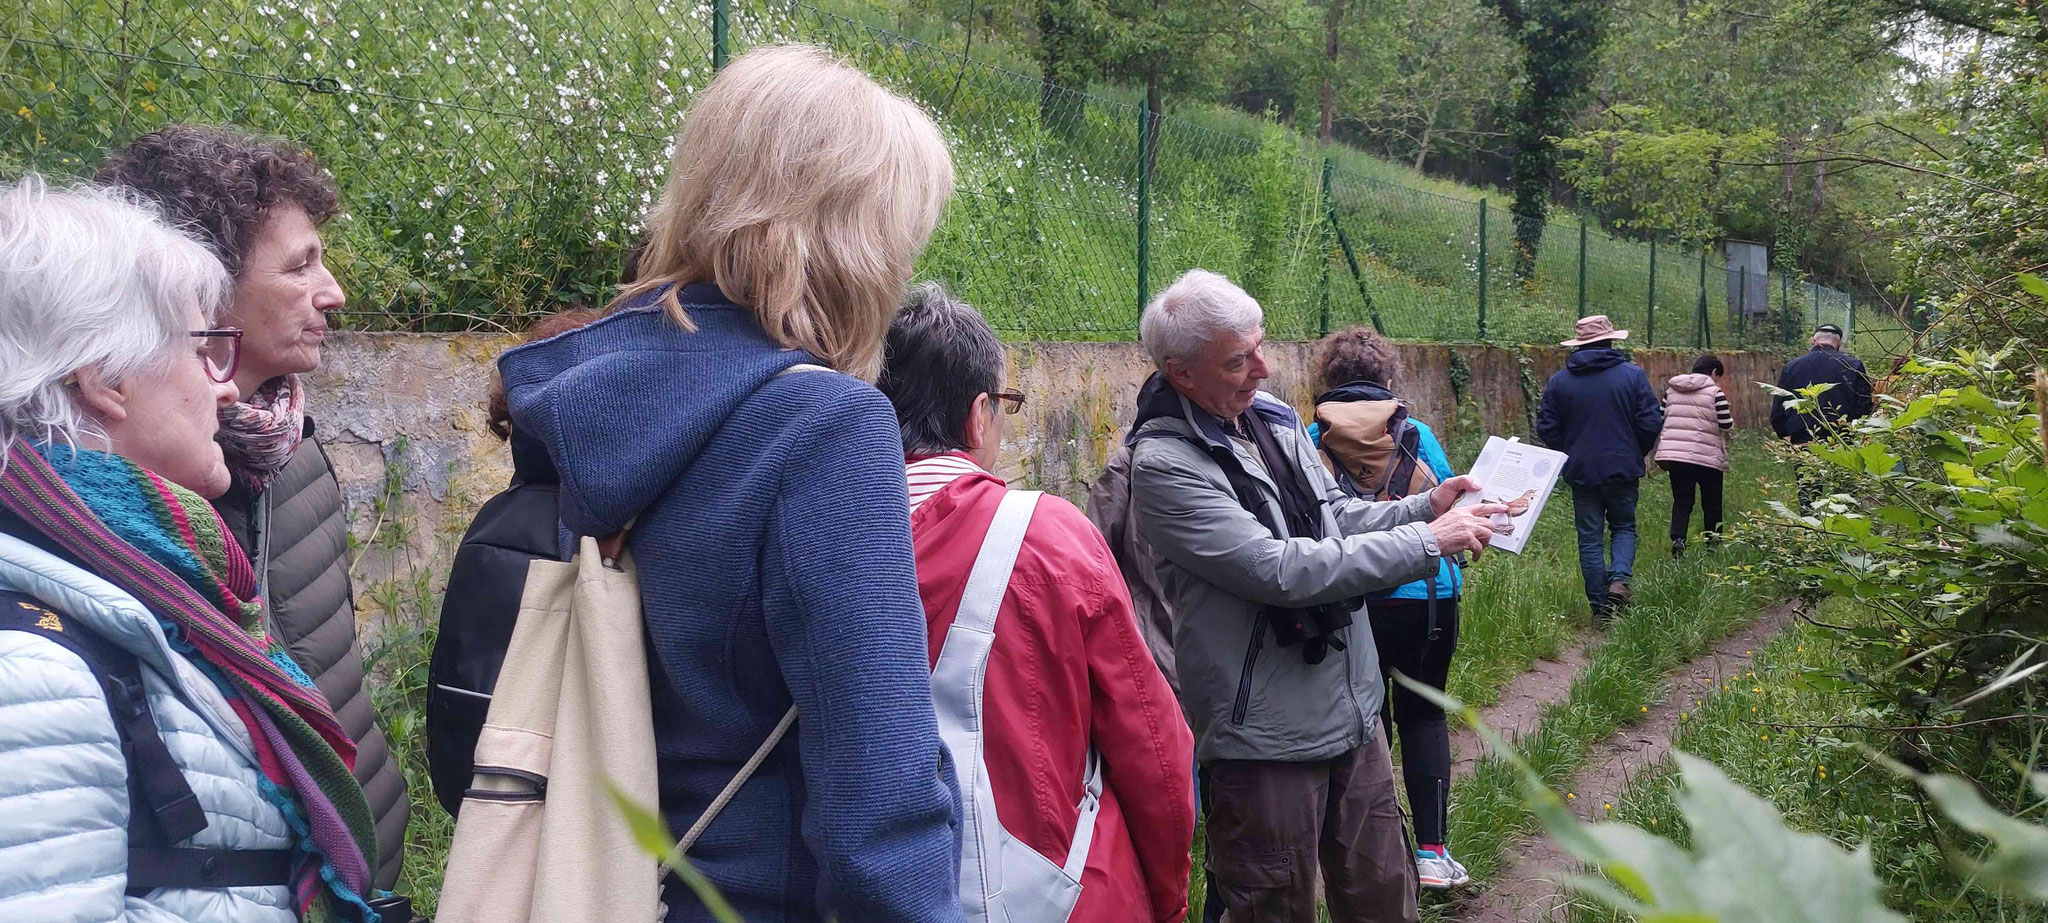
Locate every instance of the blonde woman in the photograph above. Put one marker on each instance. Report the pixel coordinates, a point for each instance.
(769, 517)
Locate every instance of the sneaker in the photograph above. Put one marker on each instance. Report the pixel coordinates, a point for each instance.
(1677, 547)
(1438, 871)
(1618, 594)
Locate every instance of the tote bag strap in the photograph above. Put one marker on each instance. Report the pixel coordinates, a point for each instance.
(740, 778)
(761, 752)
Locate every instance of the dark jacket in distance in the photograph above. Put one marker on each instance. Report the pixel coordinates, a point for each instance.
(296, 536)
(480, 607)
(1599, 410)
(1848, 400)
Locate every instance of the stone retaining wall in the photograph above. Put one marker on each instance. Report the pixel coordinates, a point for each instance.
(402, 416)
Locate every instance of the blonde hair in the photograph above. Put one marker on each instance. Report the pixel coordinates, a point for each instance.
(805, 190)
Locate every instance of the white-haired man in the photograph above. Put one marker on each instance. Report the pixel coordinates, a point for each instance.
(1266, 561)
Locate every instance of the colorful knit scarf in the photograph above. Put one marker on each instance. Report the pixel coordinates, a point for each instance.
(260, 433)
(166, 546)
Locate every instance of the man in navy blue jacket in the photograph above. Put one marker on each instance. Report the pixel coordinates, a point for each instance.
(1601, 412)
(1847, 398)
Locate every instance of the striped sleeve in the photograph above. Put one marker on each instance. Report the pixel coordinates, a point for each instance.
(1722, 415)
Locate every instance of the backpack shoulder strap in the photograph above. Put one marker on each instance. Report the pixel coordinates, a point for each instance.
(990, 578)
(172, 810)
(162, 807)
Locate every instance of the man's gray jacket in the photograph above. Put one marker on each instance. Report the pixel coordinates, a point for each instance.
(1246, 697)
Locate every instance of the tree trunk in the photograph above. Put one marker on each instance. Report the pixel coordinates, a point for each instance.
(1332, 18)
(1820, 179)
(1786, 172)
(1428, 126)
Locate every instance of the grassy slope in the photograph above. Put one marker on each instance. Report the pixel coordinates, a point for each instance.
(495, 166)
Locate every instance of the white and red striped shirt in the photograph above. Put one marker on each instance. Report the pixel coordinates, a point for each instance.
(931, 474)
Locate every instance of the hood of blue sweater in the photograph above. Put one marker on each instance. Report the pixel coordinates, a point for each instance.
(625, 405)
(1594, 359)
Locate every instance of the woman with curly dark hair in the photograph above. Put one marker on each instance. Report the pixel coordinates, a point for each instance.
(1376, 450)
(258, 204)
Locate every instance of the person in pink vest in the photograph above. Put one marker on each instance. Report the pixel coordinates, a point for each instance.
(1076, 766)
(1694, 446)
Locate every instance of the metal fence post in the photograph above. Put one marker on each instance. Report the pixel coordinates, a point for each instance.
(719, 37)
(1144, 202)
(1816, 303)
(1582, 267)
(1482, 269)
(1372, 309)
(1651, 337)
(1700, 337)
(1849, 324)
(1329, 227)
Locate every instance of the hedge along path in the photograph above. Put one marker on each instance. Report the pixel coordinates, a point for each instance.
(1530, 887)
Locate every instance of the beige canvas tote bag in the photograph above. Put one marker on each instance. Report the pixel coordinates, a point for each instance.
(538, 839)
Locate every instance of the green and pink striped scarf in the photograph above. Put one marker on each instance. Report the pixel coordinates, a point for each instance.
(166, 546)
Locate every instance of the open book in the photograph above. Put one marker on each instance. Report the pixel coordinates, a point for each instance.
(1519, 475)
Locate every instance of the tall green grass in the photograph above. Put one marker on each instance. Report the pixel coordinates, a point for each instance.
(1681, 607)
(1820, 779)
(496, 161)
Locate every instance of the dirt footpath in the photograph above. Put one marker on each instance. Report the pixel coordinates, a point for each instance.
(1528, 889)
(1521, 704)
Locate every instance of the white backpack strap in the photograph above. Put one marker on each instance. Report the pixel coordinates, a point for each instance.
(1084, 827)
(990, 578)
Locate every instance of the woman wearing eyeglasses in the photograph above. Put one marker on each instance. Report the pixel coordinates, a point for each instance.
(162, 757)
(258, 204)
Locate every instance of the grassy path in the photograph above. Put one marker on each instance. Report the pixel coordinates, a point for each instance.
(1528, 888)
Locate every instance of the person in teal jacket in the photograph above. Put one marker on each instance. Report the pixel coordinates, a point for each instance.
(1414, 625)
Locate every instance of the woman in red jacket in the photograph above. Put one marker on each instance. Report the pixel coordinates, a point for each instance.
(1068, 673)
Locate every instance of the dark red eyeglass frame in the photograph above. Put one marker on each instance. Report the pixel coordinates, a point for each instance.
(1012, 400)
(234, 336)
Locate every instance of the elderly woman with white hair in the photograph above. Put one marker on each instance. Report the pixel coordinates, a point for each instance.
(162, 757)
(1266, 562)
(765, 500)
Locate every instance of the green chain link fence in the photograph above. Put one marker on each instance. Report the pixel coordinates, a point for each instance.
(495, 156)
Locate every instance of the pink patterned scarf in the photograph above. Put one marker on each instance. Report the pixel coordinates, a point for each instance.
(259, 433)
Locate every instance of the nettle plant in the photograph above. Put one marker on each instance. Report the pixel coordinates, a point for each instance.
(1740, 863)
(1936, 521)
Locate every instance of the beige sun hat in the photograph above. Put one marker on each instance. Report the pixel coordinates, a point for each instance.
(1595, 329)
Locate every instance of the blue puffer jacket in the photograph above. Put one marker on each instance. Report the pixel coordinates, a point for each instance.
(63, 782)
(1600, 411)
(771, 527)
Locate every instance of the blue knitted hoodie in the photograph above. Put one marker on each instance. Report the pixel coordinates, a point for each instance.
(772, 538)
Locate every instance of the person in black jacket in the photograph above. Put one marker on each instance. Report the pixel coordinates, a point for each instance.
(1847, 398)
(1600, 411)
(484, 587)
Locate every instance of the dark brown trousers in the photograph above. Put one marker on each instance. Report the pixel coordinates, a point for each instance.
(1271, 825)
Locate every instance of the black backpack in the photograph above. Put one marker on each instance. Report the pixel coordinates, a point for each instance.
(479, 610)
